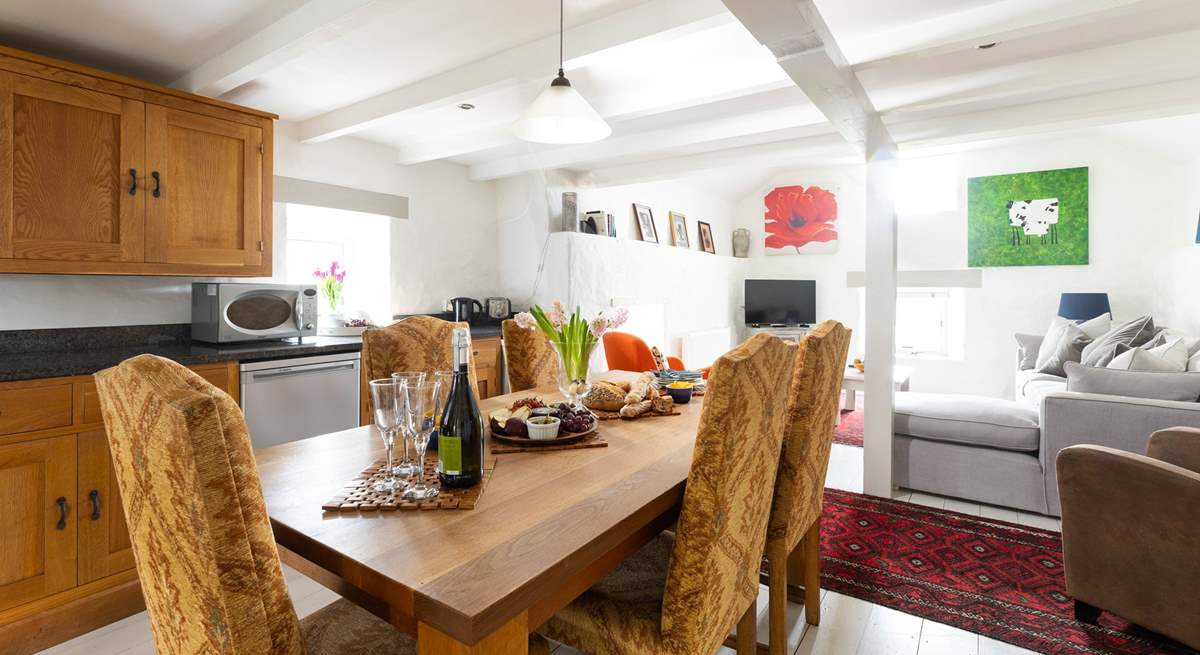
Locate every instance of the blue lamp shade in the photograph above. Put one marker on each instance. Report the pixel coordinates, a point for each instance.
(1083, 306)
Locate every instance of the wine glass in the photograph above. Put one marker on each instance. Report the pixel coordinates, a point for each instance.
(406, 468)
(421, 416)
(388, 401)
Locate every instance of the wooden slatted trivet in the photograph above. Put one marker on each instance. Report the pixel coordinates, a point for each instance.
(594, 441)
(359, 494)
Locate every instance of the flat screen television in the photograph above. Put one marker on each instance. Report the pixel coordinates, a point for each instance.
(781, 302)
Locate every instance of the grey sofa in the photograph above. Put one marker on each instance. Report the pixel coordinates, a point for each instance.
(1002, 452)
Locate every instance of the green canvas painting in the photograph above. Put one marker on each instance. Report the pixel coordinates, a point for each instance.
(1028, 219)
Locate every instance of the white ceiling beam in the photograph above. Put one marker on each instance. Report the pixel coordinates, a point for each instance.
(665, 19)
(795, 32)
(991, 23)
(1162, 100)
(698, 135)
(308, 26)
(824, 150)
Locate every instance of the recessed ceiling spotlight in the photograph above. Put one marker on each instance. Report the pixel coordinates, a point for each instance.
(466, 106)
(987, 46)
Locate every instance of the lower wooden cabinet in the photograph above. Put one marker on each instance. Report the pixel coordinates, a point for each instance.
(66, 562)
(37, 523)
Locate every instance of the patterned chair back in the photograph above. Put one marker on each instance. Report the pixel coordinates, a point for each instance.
(529, 357)
(202, 541)
(812, 414)
(722, 527)
(416, 343)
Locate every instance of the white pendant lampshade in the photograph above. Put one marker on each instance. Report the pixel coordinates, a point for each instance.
(560, 115)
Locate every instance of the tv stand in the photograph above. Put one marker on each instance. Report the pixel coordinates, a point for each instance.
(785, 332)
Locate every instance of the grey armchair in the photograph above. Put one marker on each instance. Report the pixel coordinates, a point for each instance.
(1131, 532)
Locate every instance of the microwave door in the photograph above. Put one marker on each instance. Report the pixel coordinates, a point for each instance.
(263, 313)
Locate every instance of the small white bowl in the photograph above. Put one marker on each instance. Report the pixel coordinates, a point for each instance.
(542, 427)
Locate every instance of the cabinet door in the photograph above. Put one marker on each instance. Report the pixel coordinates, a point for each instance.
(37, 522)
(104, 547)
(208, 207)
(68, 157)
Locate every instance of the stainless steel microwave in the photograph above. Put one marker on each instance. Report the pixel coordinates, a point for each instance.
(239, 311)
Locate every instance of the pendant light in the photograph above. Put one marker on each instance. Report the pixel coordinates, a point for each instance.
(560, 114)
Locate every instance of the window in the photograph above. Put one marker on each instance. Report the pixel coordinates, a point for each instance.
(359, 242)
(923, 322)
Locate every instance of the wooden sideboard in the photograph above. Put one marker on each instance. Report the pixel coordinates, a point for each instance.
(67, 566)
(105, 174)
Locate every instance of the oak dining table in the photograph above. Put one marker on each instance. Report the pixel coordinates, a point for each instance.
(547, 526)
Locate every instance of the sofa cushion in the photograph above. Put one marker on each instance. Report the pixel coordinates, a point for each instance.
(969, 420)
(1131, 333)
(1170, 357)
(1071, 341)
(1039, 386)
(1135, 384)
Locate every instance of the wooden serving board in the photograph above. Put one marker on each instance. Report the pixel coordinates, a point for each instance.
(359, 495)
(605, 415)
(591, 439)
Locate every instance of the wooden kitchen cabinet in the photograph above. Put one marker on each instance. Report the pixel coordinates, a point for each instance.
(103, 174)
(67, 568)
(205, 206)
(487, 366)
(37, 523)
(69, 158)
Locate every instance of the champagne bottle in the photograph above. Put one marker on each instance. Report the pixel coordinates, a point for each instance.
(460, 441)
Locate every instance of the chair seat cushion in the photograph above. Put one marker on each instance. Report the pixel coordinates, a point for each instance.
(621, 614)
(343, 628)
(969, 420)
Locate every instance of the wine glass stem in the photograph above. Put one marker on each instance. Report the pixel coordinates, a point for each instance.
(420, 467)
(391, 474)
(407, 459)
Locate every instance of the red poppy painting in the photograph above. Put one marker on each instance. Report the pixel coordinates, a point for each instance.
(800, 220)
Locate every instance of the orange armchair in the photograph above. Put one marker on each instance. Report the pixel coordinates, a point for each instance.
(626, 352)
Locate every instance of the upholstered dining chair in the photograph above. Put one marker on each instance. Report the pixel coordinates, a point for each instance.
(794, 533)
(201, 538)
(628, 352)
(416, 343)
(528, 357)
(680, 594)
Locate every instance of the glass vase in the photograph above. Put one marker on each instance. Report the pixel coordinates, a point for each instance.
(573, 360)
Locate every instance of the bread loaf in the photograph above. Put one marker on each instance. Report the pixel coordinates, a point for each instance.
(640, 388)
(663, 404)
(605, 396)
(634, 410)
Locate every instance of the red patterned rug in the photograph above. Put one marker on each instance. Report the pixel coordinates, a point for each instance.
(849, 430)
(992, 578)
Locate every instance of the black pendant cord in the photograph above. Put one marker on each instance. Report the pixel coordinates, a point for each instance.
(561, 24)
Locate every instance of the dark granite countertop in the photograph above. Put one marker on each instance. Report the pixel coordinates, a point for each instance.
(32, 354)
(61, 352)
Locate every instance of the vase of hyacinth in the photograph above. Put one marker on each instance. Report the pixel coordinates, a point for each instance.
(331, 284)
(573, 340)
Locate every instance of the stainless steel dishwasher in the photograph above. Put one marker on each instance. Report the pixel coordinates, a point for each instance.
(289, 399)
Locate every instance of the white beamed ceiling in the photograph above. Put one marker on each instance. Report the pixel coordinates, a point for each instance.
(687, 89)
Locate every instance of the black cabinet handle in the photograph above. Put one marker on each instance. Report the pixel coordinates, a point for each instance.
(62, 512)
(133, 183)
(94, 496)
(157, 184)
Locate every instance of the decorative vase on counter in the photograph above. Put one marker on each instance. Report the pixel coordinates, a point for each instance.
(741, 242)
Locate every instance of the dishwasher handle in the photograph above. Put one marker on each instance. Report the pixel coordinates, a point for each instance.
(275, 374)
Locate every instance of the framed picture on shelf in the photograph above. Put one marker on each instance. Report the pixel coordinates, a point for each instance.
(645, 223)
(706, 240)
(679, 235)
(596, 222)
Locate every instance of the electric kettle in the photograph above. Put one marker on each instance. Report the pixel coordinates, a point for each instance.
(464, 309)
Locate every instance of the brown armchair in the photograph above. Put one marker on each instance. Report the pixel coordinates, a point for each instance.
(1131, 532)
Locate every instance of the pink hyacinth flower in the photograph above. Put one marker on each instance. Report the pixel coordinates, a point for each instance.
(525, 320)
(619, 317)
(599, 326)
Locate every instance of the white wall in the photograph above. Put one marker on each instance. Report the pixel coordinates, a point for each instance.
(1141, 201)
(446, 248)
(698, 291)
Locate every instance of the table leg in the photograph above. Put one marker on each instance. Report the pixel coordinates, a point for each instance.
(512, 638)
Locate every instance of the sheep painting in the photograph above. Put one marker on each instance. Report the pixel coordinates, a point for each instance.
(1037, 218)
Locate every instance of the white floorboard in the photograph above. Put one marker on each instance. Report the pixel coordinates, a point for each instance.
(848, 626)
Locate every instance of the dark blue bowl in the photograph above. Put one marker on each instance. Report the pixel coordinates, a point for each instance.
(680, 396)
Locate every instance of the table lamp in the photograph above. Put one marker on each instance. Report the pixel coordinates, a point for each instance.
(1083, 306)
